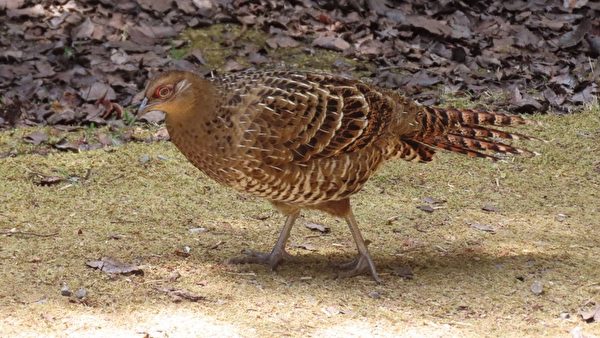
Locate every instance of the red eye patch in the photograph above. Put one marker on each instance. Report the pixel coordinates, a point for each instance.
(163, 92)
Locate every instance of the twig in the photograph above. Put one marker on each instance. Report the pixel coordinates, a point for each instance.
(216, 245)
(87, 175)
(115, 178)
(26, 233)
(253, 274)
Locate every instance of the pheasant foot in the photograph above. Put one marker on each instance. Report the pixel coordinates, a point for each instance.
(362, 264)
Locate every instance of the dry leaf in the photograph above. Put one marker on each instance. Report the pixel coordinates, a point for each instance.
(113, 267)
(36, 138)
(483, 227)
(177, 295)
(318, 227)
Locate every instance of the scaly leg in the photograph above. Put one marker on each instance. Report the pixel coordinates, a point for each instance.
(363, 262)
(277, 254)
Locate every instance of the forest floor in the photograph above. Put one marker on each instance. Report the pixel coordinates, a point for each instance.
(510, 248)
(466, 247)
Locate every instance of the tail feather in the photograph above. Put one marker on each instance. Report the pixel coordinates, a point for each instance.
(482, 144)
(478, 131)
(455, 148)
(413, 150)
(465, 131)
(475, 117)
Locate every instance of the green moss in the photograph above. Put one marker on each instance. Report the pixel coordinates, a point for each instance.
(215, 43)
(179, 53)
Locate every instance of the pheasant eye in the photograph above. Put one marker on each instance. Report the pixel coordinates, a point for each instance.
(163, 92)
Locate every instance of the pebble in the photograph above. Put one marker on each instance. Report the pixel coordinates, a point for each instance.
(81, 293)
(537, 287)
(197, 230)
(375, 294)
(144, 159)
(173, 276)
(64, 291)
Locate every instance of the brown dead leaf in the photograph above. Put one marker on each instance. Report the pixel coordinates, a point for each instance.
(36, 138)
(97, 91)
(282, 41)
(426, 208)
(178, 295)
(489, 208)
(11, 4)
(318, 227)
(104, 139)
(483, 227)
(114, 267)
(233, 66)
(305, 246)
(422, 79)
(66, 116)
(160, 6)
(84, 30)
(586, 95)
(183, 252)
(432, 26)
(571, 4)
(32, 12)
(591, 314)
(575, 36)
(523, 103)
(65, 145)
(432, 200)
(331, 42)
(161, 135)
(46, 181)
(154, 116)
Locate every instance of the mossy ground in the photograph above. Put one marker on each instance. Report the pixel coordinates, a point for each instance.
(216, 42)
(466, 282)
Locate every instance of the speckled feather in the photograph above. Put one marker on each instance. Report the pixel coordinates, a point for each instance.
(304, 138)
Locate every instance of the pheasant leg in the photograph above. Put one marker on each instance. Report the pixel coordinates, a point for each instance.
(363, 262)
(277, 254)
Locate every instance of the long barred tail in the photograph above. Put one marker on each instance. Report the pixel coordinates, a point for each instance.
(465, 131)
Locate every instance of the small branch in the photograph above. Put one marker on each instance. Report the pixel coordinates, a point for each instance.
(115, 178)
(26, 233)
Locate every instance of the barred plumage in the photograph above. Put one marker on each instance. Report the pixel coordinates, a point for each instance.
(310, 139)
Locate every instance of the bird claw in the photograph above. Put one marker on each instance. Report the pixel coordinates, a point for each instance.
(358, 266)
(272, 259)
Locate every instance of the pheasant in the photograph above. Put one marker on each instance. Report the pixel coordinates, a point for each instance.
(310, 140)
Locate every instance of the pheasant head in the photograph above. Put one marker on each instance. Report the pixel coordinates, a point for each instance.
(180, 95)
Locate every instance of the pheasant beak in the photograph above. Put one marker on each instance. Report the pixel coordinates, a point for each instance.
(143, 108)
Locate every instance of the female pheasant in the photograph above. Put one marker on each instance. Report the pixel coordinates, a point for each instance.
(310, 139)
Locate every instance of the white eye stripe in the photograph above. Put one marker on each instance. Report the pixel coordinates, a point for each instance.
(182, 85)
